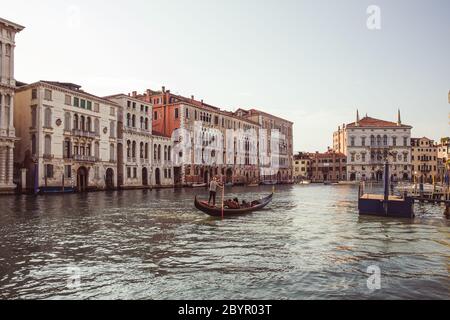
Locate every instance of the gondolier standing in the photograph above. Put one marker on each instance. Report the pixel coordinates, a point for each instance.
(213, 185)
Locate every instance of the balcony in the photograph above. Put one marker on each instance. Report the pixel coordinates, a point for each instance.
(82, 158)
(84, 134)
(48, 156)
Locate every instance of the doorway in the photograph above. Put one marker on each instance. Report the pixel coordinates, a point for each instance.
(82, 179)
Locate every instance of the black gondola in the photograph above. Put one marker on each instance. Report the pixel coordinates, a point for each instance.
(217, 211)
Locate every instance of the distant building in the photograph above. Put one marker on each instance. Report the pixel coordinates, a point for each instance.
(8, 31)
(424, 158)
(330, 166)
(172, 112)
(68, 137)
(135, 142)
(369, 142)
(282, 153)
(301, 167)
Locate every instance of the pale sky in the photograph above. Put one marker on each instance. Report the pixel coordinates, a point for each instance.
(312, 62)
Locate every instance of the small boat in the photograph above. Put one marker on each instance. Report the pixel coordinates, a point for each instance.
(199, 185)
(270, 182)
(253, 185)
(217, 211)
(305, 182)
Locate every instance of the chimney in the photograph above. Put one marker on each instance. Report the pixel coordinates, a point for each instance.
(149, 92)
(134, 94)
(163, 89)
(202, 101)
(192, 98)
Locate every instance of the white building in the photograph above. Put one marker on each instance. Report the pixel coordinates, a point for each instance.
(134, 142)
(8, 32)
(162, 163)
(369, 142)
(68, 138)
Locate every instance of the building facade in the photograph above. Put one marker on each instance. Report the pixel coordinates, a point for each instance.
(134, 145)
(330, 166)
(207, 129)
(279, 150)
(425, 161)
(8, 31)
(301, 167)
(368, 143)
(68, 138)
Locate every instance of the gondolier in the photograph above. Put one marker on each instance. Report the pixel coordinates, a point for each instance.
(213, 185)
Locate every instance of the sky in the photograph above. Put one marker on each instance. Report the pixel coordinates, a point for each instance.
(312, 62)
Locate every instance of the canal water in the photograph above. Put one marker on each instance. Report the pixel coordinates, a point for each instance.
(309, 243)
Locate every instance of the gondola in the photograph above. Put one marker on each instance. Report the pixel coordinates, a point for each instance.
(217, 211)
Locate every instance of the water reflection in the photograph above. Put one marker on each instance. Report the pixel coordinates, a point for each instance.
(309, 243)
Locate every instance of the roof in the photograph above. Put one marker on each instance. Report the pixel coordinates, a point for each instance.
(126, 96)
(16, 26)
(72, 87)
(259, 112)
(368, 122)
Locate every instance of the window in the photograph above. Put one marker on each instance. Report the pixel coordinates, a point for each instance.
(155, 116)
(134, 173)
(48, 95)
(176, 113)
(76, 102)
(96, 107)
(83, 104)
(89, 105)
(34, 94)
(97, 126)
(352, 141)
(394, 141)
(66, 149)
(363, 141)
(49, 171)
(128, 172)
(133, 121)
(97, 150)
(112, 129)
(67, 121)
(48, 145)
(385, 140)
(112, 111)
(48, 118)
(34, 116)
(68, 171)
(405, 141)
(68, 100)
(111, 152)
(187, 113)
(33, 145)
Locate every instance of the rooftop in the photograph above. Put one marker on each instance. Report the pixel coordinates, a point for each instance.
(368, 122)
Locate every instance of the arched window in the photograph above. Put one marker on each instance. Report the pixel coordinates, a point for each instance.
(111, 152)
(129, 149)
(155, 152)
(385, 140)
(128, 120)
(112, 129)
(141, 150)
(88, 124)
(67, 121)
(75, 122)
(142, 123)
(133, 149)
(97, 150)
(88, 149)
(372, 140)
(146, 123)
(159, 152)
(379, 140)
(97, 126)
(165, 153)
(33, 145)
(169, 154)
(48, 118)
(66, 149)
(82, 123)
(146, 151)
(133, 121)
(48, 145)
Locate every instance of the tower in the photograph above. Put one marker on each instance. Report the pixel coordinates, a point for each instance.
(8, 32)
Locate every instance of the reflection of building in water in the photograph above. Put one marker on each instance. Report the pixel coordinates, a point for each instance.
(369, 142)
(8, 31)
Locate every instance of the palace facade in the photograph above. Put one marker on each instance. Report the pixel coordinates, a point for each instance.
(425, 160)
(8, 31)
(68, 138)
(368, 143)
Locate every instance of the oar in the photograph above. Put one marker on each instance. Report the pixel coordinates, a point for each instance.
(223, 196)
